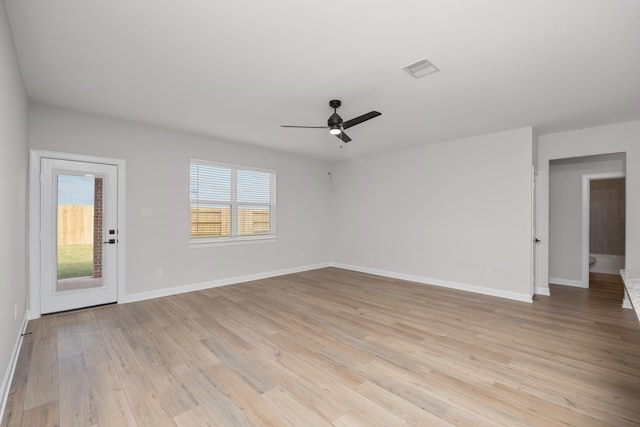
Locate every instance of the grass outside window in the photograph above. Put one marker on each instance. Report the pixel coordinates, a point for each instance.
(75, 261)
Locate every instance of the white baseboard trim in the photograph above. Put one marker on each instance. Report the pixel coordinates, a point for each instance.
(604, 271)
(567, 282)
(140, 296)
(13, 361)
(607, 264)
(442, 283)
(626, 301)
(543, 291)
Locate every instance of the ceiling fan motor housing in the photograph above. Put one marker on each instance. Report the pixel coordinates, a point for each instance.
(334, 120)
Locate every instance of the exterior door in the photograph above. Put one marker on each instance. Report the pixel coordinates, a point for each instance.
(79, 234)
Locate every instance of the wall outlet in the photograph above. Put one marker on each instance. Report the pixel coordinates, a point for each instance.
(15, 312)
(159, 274)
(370, 256)
(488, 272)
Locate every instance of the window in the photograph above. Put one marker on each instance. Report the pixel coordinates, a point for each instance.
(230, 202)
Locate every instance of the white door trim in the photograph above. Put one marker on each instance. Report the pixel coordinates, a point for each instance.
(34, 220)
(586, 218)
(534, 230)
(105, 289)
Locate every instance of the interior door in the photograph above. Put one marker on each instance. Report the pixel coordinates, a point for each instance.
(79, 234)
(534, 230)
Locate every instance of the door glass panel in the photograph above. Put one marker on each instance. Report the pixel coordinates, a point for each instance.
(79, 232)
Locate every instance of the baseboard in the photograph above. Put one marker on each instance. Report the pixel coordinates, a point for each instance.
(543, 291)
(13, 361)
(607, 264)
(626, 301)
(441, 283)
(567, 282)
(604, 270)
(140, 296)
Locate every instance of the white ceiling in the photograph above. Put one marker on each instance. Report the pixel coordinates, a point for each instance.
(239, 69)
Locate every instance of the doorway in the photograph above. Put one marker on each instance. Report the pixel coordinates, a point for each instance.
(603, 224)
(77, 212)
(570, 211)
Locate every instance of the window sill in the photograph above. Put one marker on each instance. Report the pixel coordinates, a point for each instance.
(210, 243)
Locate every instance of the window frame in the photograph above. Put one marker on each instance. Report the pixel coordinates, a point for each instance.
(234, 205)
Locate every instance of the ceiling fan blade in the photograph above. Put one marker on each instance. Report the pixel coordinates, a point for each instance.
(343, 136)
(305, 127)
(363, 118)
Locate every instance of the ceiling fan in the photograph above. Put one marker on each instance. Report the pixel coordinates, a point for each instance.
(336, 125)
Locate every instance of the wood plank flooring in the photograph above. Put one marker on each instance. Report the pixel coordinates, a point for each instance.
(333, 347)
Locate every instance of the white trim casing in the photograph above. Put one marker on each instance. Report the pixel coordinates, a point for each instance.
(543, 291)
(34, 220)
(534, 230)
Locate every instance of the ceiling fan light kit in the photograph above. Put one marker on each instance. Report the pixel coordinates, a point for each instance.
(336, 125)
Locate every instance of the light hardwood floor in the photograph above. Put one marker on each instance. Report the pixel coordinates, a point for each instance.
(333, 347)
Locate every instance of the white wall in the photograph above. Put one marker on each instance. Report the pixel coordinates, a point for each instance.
(13, 205)
(453, 210)
(619, 138)
(565, 212)
(440, 214)
(157, 165)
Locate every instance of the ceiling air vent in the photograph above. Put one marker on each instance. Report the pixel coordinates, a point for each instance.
(421, 68)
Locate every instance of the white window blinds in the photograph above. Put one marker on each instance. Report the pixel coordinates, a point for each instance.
(230, 202)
